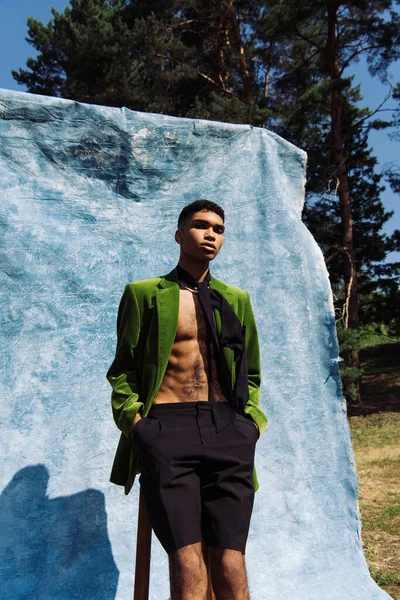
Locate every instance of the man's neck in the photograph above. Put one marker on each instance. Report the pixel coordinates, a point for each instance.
(197, 271)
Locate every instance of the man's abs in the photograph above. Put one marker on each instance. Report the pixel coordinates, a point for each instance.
(185, 378)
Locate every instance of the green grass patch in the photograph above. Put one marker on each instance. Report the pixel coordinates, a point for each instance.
(385, 519)
(385, 579)
(376, 446)
(375, 335)
(376, 430)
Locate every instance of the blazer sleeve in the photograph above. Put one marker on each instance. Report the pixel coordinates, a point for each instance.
(122, 373)
(252, 407)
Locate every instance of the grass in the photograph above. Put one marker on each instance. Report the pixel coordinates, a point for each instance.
(375, 430)
(373, 335)
(376, 443)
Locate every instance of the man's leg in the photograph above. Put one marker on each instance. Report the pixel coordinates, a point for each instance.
(227, 503)
(188, 573)
(228, 574)
(170, 451)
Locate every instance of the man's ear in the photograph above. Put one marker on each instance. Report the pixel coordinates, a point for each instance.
(178, 236)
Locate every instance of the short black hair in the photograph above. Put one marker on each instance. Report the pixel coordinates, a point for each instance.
(198, 205)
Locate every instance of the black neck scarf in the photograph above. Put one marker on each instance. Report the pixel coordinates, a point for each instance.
(232, 336)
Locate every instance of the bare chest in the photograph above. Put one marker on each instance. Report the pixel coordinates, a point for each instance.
(191, 319)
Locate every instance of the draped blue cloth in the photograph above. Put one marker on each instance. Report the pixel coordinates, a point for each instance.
(90, 197)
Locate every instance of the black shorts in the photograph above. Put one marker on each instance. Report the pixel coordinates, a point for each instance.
(196, 483)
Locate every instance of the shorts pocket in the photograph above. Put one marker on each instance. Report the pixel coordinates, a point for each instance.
(137, 425)
(246, 426)
(146, 426)
(148, 442)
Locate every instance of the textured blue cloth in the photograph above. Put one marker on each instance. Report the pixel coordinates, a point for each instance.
(89, 201)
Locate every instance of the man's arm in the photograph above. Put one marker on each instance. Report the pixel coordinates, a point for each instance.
(122, 372)
(253, 368)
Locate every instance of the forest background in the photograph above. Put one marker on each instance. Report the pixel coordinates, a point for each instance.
(276, 64)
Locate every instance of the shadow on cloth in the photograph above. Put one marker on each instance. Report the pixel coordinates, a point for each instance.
(53, 549)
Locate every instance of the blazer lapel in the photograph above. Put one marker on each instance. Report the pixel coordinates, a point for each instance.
(167, 301)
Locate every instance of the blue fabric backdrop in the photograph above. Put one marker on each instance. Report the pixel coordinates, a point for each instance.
(89, 201)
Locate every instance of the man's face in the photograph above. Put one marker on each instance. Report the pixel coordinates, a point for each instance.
(201, 228)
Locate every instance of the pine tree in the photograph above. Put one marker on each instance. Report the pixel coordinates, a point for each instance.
(180, 58)
(317, 106)
(275, 63)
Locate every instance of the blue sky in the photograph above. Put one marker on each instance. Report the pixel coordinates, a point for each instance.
(14, 51)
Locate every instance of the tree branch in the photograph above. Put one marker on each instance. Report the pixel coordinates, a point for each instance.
(346, 252)
(199, 73)
(306, 39)
(356, 53)
(376, 110)
(175, 25)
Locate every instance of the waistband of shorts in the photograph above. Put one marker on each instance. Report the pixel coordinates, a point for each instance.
(186, 407)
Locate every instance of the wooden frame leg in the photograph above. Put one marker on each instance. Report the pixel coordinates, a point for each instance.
(143, 553)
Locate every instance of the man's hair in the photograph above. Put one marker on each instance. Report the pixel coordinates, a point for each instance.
(198, 205)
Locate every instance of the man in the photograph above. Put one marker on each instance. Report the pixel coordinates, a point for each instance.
(186, 393)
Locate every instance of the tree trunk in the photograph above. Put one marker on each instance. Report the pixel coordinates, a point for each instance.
(221, 75)
(350, 308)
(246, 79)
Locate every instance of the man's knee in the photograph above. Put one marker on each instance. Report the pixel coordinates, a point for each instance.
(188, 559)
(188, 576)
(226, 562)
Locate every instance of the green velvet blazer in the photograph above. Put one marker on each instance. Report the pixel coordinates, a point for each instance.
(146, 327)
